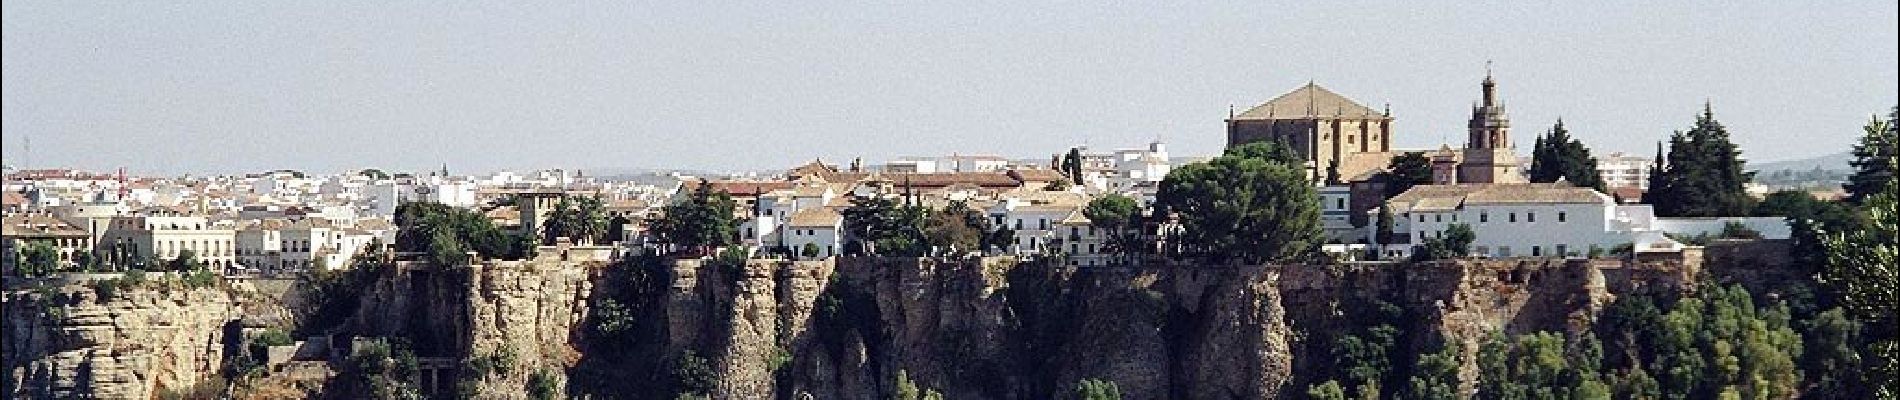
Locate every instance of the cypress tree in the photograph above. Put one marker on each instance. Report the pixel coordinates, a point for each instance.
(1557, 156)
(1873, 165)
(1704, 175)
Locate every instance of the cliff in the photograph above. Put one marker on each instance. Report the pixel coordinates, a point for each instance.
(69, 341)
(980, 328)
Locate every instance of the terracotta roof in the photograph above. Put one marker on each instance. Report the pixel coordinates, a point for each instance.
(12, 199)
(944, 179)
(740, 188)
(38, 225)
(1310, 101)
(627, 205)
(1036, 175)
(1450, 197)
(815, 217)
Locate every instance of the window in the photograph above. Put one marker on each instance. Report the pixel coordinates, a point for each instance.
(1484, 217)
(1339, 204)
(1421, 218)
(1562, 216)
(1537, 251)
(1562, 251)
(1513, 217)
(1530, 217)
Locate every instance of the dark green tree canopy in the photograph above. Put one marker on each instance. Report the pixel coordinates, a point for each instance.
(1557, 156)
(1703, 174)
(1407, 170)
(1873, 158)
(1243, 206)
(701, 222)
(1119, 216)
(579, 218)
(447, 233)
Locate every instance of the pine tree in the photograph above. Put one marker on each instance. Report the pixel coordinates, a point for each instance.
(1872, 165)
(1704, 175)
(1556, 156)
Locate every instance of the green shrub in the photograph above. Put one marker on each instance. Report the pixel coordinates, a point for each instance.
(542, 385)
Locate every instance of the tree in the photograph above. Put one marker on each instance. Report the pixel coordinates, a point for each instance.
(1241, 207)
(1407, 170)
(909, 390)
(1072, 165)
(1329, 390)
(186, 261)
(1873, 158)
(1272, 151)
(1863, 268)
(1383, 228)
(1703, 176)
(39, 259)
(1120, 217)
(1557, 156)
(1453, 242)
(448, 233)
(1436, 376)
(1832, 359)
(1097, 389)
(701, 222)
(955, 227)
(581, 219)
(883, 225)
(809, 251)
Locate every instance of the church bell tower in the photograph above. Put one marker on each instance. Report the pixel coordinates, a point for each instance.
(1489, 156)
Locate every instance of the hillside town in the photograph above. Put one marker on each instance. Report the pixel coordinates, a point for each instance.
(1376, 202)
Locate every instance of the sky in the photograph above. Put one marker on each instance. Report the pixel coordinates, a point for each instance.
(231, 87)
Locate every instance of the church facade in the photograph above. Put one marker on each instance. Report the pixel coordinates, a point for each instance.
(1339, 138)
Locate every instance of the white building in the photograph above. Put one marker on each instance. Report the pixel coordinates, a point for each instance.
(1622, 170)
(1543, 220)
(165, 237)
(818, 227)
(1048, 223)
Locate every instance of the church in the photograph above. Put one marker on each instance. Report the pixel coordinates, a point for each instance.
(1344, 141)
(1338, 137)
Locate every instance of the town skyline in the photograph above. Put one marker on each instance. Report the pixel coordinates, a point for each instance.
(488, 89)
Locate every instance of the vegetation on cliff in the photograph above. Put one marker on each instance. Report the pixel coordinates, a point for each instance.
(1251, 205)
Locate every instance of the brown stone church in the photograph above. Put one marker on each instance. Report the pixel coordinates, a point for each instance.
(1344, 141)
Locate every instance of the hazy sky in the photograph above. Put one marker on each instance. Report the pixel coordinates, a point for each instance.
(323, 86)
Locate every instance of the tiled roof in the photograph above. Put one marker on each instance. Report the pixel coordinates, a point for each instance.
(38, 225)
(1036, 175)
(943, 179)
(815, 217)
(1450, 197)
(740, 188)
(1310, 101)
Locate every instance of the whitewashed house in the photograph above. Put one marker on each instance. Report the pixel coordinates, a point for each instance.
(1543, 220)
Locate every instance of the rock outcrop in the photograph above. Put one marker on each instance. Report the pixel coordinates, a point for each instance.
(68, 342)
(978, 328)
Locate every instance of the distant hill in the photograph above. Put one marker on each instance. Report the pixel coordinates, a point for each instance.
(1836, 161)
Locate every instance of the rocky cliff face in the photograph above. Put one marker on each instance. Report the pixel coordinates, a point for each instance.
(67, 342)
(991, 328)
(843, 328)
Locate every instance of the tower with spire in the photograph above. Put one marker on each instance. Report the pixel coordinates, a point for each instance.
(1489, 156)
